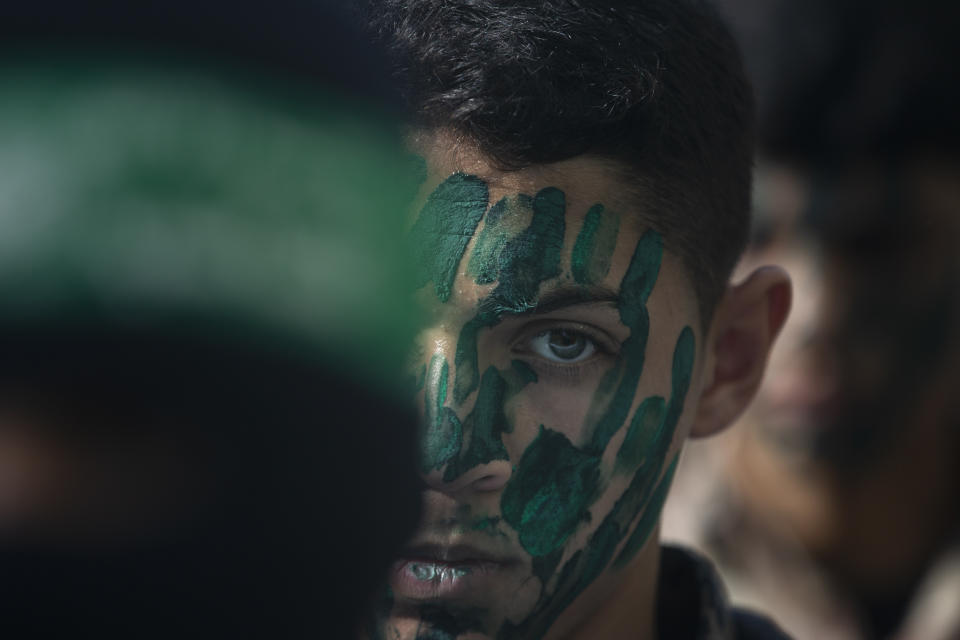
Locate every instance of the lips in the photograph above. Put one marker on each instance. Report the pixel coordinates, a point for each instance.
(432, 572)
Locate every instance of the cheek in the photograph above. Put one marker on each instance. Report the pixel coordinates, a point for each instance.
(559, 408)
(569, 410)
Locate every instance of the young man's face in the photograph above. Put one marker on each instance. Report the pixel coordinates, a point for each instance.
(560, 355)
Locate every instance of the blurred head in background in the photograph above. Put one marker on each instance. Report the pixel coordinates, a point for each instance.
(202, 321)
(851, 446)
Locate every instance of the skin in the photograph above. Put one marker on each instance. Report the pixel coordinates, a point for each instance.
(560, 370)
(851, 446)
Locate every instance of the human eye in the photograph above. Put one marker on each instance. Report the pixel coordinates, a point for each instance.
(562, 345)
(565, 351)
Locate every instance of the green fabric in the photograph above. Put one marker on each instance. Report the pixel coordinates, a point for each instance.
(154, 196)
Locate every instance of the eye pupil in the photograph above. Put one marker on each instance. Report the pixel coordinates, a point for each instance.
(566, 344)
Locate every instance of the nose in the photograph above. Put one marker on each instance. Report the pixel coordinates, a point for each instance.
(459, 455)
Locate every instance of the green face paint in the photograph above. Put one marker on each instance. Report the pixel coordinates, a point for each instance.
(643, 428)
(549, 493)
(485, 424)
(441, 433)
(468, 367)
(490, 242)
(418, 168)
(444, 227)
(523, 263)
(520, 374)
(644, 495)
(489, 525)
(502, 223)
(615, 396)
(588, 563)
(532, 257)
(420, 378)
(551, 497)
(593, 250)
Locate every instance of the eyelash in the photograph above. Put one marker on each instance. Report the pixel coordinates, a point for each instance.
(604, 346)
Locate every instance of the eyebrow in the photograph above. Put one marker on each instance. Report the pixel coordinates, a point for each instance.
(568, 296)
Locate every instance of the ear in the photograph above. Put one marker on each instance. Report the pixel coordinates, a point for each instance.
(745, 325)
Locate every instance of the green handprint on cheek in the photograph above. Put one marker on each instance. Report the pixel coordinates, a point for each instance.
(644, 496)
(554, 490)
(488, 420)
(554, 485)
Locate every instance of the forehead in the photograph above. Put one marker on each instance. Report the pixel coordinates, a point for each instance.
(588, 199)
(585, 180)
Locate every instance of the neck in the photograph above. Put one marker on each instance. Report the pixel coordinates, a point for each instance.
(623, 610)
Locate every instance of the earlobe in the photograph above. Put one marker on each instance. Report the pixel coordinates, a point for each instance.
(745, 325)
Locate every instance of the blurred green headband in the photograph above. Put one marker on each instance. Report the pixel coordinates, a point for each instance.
(150, 196)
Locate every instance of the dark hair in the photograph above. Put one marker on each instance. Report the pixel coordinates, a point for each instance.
(657, 86)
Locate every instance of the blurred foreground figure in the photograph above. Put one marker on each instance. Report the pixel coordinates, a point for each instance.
(201, 323)
(838, 510)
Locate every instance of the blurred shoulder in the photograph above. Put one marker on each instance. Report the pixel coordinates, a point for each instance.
(692, 603)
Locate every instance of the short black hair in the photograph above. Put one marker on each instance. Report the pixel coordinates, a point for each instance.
(656, 85)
